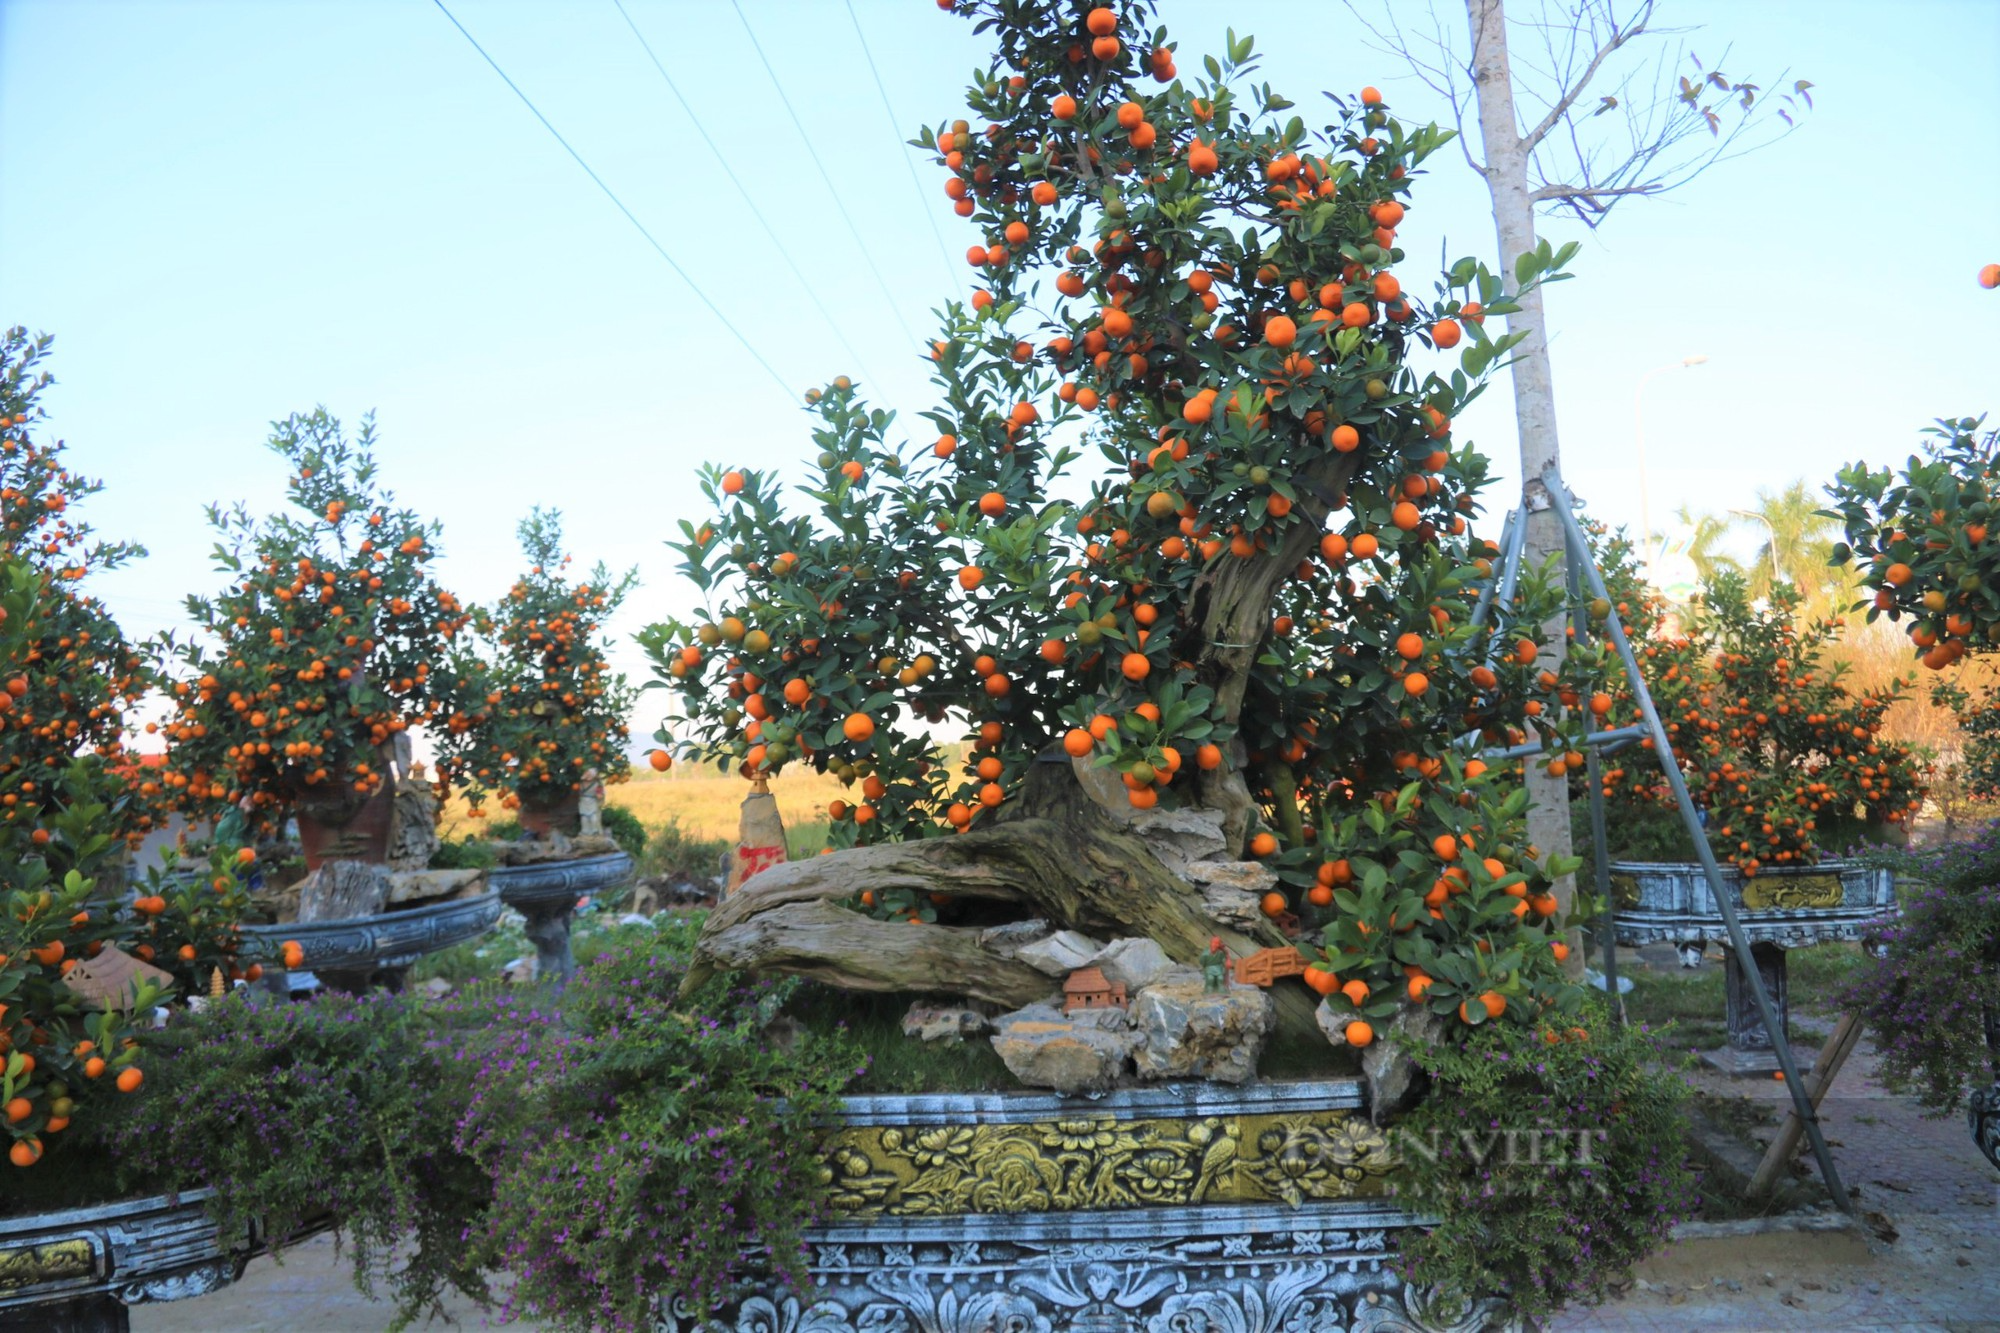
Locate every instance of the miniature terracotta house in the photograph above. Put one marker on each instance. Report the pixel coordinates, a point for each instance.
(1089, 988)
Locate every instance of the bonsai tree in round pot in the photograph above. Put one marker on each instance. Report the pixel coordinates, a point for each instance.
(332, 639)
(555, 713)
(1789, 764)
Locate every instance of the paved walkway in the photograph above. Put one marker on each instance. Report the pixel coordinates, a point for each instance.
(1923, 1176)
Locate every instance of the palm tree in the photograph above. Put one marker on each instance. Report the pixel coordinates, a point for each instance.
(1706, 532)
(1799, 542)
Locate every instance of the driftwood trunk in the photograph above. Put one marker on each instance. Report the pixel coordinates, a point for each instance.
(1054, 853)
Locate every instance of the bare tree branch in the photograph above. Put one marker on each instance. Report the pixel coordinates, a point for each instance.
(1590, 191)
(1567, 98)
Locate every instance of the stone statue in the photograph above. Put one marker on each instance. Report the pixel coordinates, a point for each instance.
(1215, 966)
(590, 806)
(413, 835)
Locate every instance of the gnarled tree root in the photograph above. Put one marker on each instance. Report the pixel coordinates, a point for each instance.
(1054, 853)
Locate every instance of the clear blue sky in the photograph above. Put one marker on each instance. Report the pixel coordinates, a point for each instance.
(228, 211)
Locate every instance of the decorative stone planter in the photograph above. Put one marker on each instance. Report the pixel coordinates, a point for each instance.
(546, 893)
(76, 1271)
(1780, 908)
(363, 951)
(1173, 1209)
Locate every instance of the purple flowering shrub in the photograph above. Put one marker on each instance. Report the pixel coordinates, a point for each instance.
(337, 1108)
(642, 1149)
(1926, 996)
(597, 1154)
(1553, 1156)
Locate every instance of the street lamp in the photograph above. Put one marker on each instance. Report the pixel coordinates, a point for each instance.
(1776, 576)
(1639, 431)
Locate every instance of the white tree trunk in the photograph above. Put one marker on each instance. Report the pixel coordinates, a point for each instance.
(1506, 171)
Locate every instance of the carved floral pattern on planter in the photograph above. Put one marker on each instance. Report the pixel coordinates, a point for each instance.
(1103, 1162)
(1107, 1297)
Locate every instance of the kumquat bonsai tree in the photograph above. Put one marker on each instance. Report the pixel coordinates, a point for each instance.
(332, 638)
(62, 1051)
(1788, 763)
(1921, 535)
(1920, 538)
(550, 709)
(1246, 631)
(70, 691)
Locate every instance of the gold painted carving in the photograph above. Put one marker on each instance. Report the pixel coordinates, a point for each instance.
(26, 1265)
(1792, 892)
(1100, 1162)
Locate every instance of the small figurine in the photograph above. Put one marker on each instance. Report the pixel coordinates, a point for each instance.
(1215, 966)
(590, 805)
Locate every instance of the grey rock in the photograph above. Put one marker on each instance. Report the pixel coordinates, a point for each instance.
(1060, 954)
(635, 919)
(1395, 1083)
(1332, 1022)
(1005, 939)
(1180, 837)
(1046, 1049)
(343, 890)
(1253, 877)
(1188, 1031)
(1232, 907)
(413, 835)
(1134, 962)
(519, 969)
(415, 886)
(1110, 1019)
(1233, 891)
(437, 988)
(947, 1023)
(555, 847)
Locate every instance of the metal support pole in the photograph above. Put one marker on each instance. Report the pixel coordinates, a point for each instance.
(1485, 602)
(1510, 574)
(1606, 740)
(1606, 925)
(1664, 751)
(1513, 538)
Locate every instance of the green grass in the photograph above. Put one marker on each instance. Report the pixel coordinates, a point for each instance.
(1694, 1001)
(1300, 1056)
(897, 1063)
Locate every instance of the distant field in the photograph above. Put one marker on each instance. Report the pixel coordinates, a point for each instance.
(703, 802)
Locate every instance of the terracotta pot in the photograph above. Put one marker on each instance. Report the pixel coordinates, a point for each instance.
(544, 817)
(363, 837)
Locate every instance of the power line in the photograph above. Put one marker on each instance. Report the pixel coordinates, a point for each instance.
(741, 189)
(694, 287)
(923, 203)
(820, 167)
